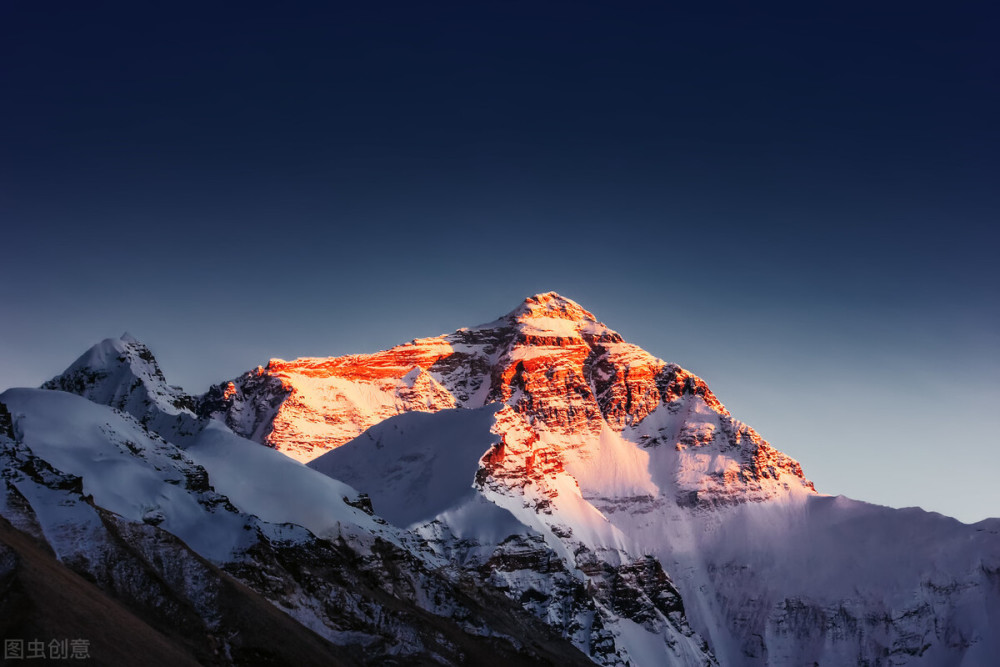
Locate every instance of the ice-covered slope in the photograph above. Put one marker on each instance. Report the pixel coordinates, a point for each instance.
(102, 494)
(277, 489)
(832, 580)
(797, 578)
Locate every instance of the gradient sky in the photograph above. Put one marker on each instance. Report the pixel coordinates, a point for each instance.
(798, 203)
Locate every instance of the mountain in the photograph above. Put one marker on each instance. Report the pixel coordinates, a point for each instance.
(531, 489)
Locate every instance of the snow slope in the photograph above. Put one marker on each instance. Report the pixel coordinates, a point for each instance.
(126, 469)
(277, 489)
(416, 467)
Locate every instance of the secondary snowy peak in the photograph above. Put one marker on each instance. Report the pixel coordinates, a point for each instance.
(123, 373)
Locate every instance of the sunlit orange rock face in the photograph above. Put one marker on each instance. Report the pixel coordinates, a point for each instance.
(332, 401)
(392, 363)
(550, 361)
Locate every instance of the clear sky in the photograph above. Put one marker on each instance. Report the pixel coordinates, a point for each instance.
(799, 203)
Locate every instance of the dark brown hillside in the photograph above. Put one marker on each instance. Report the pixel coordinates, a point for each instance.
(42, 599)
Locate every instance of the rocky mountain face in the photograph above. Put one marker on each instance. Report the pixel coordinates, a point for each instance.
(528, 490)
(549, 360)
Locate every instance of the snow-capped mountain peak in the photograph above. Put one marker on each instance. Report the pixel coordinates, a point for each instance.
(548, 314)
(550, 305)
(123, 373)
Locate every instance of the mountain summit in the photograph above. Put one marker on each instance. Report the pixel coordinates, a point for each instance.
(553, 306)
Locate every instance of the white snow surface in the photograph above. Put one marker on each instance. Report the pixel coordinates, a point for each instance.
(126, 469)
(607, 466)
(417, 465)
(277, 489)
(142, 477)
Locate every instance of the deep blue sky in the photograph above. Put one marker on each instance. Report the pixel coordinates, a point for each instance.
(799, 203)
